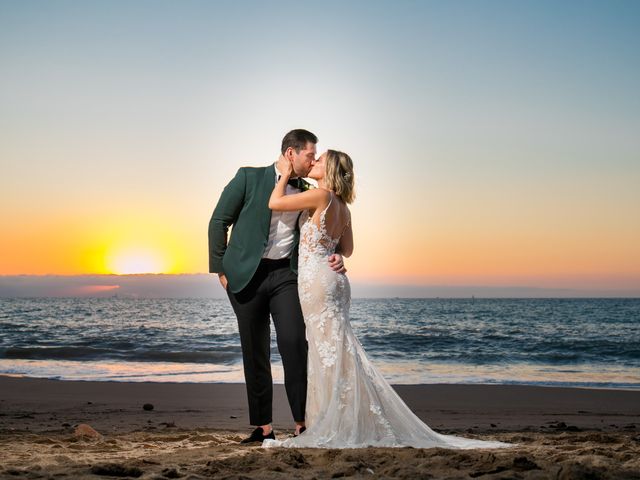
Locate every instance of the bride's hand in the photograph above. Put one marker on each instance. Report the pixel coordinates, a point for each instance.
(285, 166)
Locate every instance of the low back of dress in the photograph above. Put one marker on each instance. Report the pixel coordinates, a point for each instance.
(321, 233)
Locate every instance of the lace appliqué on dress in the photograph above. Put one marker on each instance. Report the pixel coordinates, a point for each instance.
(349, 403)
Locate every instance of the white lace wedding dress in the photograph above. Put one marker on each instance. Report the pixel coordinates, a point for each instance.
(349, 403)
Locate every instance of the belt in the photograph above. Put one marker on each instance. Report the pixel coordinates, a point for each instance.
(271, 263)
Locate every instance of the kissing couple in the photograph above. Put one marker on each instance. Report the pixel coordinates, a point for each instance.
(284, 260)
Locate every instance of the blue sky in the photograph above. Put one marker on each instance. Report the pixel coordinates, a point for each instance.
(495, 142)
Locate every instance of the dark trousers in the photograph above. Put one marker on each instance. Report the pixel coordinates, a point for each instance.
(272, 290)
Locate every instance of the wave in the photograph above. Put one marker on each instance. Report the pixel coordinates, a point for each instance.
(586, 335)
(138, 355)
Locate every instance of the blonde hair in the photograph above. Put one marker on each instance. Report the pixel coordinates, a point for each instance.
(339, 175)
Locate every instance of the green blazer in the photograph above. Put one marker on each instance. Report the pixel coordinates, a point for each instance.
(243, 204)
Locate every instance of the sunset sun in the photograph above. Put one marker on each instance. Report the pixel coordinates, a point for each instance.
(136, 260)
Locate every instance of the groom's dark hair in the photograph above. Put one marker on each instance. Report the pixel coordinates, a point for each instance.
(297, 139)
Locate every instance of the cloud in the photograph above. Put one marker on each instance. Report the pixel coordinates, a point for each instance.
(134, 286)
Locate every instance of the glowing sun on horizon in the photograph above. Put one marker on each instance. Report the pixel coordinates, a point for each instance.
(131, 261)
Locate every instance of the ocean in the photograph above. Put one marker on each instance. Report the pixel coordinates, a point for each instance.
(565, 342)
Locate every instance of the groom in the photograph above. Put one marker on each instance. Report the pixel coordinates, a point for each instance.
(258, 269)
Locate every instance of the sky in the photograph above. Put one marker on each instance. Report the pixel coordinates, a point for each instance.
(495, 143)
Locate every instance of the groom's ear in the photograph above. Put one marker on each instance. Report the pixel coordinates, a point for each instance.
(288, 153)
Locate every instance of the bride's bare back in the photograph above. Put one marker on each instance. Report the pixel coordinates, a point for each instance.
(333, 220)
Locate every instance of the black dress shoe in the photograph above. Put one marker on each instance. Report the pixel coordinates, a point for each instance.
(258, 436)
(302, 429)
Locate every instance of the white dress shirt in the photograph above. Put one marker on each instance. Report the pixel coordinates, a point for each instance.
(282, 228)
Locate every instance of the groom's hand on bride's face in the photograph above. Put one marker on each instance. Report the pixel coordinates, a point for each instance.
(336, 263)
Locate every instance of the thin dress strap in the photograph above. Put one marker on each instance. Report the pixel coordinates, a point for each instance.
(346, 224)
(323, 216)
(324, 212)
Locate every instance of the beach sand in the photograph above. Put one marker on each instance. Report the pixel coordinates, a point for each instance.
(193, 429)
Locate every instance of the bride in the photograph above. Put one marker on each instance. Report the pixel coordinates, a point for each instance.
(349, 403)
